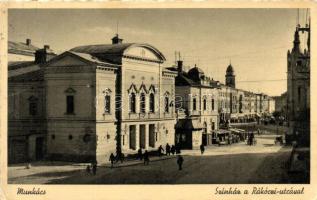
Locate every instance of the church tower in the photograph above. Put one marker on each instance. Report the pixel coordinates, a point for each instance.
(230, 77)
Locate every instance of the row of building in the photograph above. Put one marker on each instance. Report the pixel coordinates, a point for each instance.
(94, 100)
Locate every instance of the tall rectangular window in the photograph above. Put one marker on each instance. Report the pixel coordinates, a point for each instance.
(33, 108)
(205, 104)
(152, 103)
(142, 103)
(70, 104)
(132, 103)
(212, 104)
(194, 104)
(107, 104)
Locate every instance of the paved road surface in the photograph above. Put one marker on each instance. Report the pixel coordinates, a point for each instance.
(238, 163)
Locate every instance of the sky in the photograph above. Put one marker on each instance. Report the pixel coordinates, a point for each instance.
(255, 41)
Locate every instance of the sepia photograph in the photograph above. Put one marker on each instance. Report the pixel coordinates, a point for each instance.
(158, 96)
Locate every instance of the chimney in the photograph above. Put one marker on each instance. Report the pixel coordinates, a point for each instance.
(179, 66)
(28, 42)
(116, 39)
(41, 55)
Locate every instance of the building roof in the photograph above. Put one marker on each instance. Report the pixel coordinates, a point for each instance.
(19, 64)
(23, 47)
(113, 52)
(33, 76)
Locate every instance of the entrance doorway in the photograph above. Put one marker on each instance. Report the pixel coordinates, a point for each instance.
(142, 136)
(39, 148)
(152, 135)
(132, 139)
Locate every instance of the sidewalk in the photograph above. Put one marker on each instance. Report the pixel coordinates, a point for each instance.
(299, 165)
(133, 162)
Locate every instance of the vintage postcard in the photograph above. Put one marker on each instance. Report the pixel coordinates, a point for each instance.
(130, 100)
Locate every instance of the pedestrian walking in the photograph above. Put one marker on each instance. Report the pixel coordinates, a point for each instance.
(202, 149)
(88, 169)
(160, 150)
(112, 159)
(168, 149)
(173, 149)
(94, 167)
(258, 131)
(180, 161)
(139, 154)
(146, 158)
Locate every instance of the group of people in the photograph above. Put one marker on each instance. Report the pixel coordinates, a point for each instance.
(251, 139)
(114, 159)
(174, 149)
(143, 156)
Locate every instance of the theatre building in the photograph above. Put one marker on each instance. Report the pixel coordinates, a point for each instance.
(95, 100)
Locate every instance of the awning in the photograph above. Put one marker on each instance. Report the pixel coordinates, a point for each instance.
(222, 131)
(188, 124)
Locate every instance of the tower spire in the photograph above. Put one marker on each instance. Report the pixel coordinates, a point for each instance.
(296, 41)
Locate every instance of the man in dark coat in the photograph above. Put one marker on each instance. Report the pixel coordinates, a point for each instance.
(112, 159)
(94, 167)
(180, 161)
(139, 154)
(160, 150)
(202, 149)
(168, 149)
(146, 158)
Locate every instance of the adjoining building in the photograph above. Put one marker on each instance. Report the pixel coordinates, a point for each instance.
(196, 107)
(298, 89)
(26, 101)
(94, 100)
(281, 105)
(241, 106)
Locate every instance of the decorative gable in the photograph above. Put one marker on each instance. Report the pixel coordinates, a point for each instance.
(70, 91)
(152, 89)
(143, 89)
(107, 91)
(32, 98)
(132, 89)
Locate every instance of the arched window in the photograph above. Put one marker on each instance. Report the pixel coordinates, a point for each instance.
(194, 104)
(152, 103)
(142, 103)
(166, 104)
(205, 104)
(132, 103)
